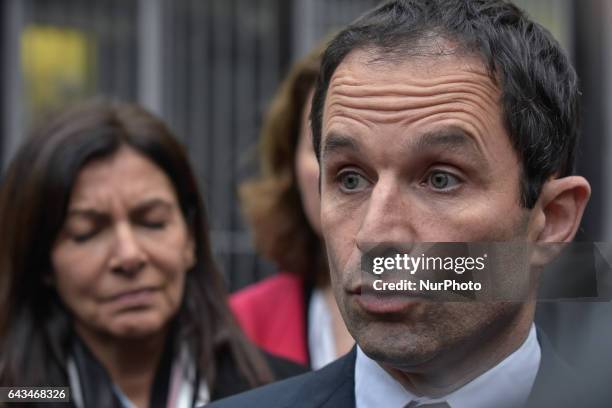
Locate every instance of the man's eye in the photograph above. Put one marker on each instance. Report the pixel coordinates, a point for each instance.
(441, 180)
(351, 181)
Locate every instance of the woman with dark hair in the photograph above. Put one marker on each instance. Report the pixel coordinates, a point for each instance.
(107, 281)
(293, 314)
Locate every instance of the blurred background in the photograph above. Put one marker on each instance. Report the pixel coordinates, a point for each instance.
(210, 67)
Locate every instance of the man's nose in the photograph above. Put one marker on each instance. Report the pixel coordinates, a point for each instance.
(128, 256)
(389, 217)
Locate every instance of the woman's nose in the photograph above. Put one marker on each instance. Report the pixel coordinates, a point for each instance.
(128, 255)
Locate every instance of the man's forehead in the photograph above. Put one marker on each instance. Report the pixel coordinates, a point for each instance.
(437, 60)
(369, 94)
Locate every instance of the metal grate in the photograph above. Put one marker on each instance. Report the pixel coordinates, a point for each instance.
(222, 61)
(208, 67)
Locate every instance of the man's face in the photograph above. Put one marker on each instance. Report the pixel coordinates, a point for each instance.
(415, 151)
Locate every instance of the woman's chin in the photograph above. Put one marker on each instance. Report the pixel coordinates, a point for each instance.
(135, 327)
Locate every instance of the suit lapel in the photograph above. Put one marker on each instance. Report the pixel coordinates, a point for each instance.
(344, 394)
(556, 383)
(333, 385)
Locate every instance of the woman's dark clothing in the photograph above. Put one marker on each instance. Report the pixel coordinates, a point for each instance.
(97, 390)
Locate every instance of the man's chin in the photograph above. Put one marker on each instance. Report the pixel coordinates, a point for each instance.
(396, 349)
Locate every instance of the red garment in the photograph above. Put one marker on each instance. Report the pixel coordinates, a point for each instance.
(272, 314)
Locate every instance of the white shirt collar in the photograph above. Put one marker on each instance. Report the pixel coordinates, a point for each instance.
(512, 379)
(321, 345)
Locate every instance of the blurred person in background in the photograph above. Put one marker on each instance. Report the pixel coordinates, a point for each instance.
(107, 281)
(292, 314)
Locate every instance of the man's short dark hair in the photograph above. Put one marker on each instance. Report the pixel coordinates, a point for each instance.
(540, 96)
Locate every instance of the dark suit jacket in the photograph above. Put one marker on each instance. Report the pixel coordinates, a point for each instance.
(331, 387)
(230, 382)
(556, 385)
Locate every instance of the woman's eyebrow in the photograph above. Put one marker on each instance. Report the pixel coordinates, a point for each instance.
(85, 212)
(141, 207)
(150, 204)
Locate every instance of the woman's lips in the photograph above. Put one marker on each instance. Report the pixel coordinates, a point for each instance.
(133, 298)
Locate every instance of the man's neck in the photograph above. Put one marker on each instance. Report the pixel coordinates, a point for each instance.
(472, 359)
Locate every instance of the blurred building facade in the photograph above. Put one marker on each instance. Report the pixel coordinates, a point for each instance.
(210, 67)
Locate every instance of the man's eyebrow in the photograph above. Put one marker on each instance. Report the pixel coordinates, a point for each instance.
(452, 139)
(335, 142)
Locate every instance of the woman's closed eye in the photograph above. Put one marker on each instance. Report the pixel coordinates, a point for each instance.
(155, 215)
(83, 236)
(154, 224)
(82, 228)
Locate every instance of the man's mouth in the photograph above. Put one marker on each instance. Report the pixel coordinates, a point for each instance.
(385, 302)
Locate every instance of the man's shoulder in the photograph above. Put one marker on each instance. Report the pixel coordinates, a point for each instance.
(278, 394)
(325, 387)
(561, 384)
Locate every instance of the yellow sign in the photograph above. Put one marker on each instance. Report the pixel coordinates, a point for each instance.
(57, 66)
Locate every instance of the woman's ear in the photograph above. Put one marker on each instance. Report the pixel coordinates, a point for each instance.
(190, 257)
(560, 208)
(49, 279)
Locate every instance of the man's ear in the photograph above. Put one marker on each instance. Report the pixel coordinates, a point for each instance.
(560, 208)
